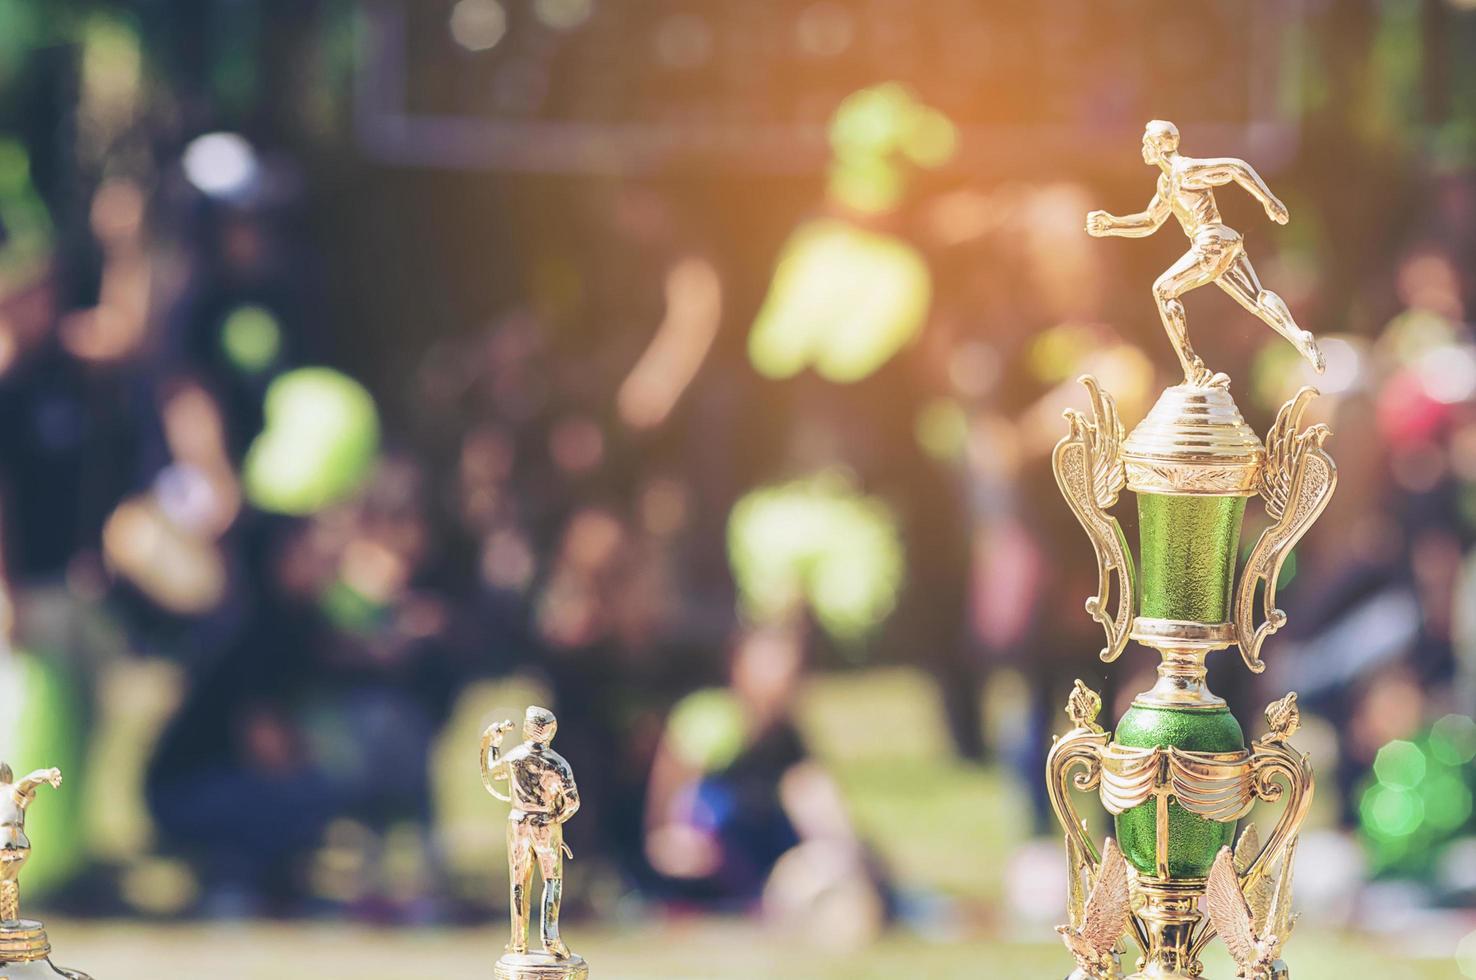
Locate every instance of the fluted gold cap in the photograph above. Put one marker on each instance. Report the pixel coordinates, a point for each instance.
(1193, 442)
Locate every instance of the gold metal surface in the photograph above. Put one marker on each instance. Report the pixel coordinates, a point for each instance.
(1193, 442)
(1297, 482)
(1170, 913)
(23, 941)
(543, 796)
(24, 946)
(1098, 922)
(1166, 920)
(540, 966)
(1075, 763)
(1216, 253)
(1089, 469)
(15, 846)
(1182, 673)
(1252, 944)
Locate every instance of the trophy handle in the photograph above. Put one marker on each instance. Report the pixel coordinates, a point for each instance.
(1276, 770)
(1075, 762)
(1296, 482)
(1090, 472)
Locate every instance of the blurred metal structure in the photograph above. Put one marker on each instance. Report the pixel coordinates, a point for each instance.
(1176, 774)
(25, 949)
(594, 86)
(543, 795)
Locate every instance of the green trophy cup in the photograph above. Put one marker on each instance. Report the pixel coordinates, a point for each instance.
(1177, 774)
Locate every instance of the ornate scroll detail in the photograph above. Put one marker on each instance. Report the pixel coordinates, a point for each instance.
(1205, 479)
(1283, 718)
(1089, 469)
(1075, 763)
(1296, 483)
(1265, 873)
(1130, 776)
(1214, 786)
(1217, 786)
(1082, 707)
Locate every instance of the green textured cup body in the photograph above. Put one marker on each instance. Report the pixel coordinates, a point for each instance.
(1188, 547)
(1193, 840)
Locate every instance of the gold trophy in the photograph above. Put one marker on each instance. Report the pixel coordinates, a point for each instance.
(543, 796)
(24, 948)
(1177, 775)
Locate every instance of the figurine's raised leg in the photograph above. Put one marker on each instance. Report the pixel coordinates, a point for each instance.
(520, 871)
(1242, 283)
(548, 842)
(1190, 272)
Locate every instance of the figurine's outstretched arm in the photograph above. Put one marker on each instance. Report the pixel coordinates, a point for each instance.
(1204, 174)
(494, 767)
(1100, 224)
(26, 788)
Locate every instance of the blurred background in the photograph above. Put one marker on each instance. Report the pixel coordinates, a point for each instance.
(370, 370)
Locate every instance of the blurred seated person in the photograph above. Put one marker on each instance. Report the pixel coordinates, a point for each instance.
(739, 814)
(319, 713)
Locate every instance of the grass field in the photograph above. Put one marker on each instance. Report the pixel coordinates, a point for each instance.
(695, 950)
(943, 828)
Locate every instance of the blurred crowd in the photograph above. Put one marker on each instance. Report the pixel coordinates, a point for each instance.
(299, 447)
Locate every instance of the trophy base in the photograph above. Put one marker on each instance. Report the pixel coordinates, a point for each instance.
(39, 970)
(24, 952)
(540, 966)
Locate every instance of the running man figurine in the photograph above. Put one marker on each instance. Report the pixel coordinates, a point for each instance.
(543, 796)
(1216, 253)
(15, 846)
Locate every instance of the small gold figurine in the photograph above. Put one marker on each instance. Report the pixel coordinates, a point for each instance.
(24, 947)
(1216, 253)
(543, 797)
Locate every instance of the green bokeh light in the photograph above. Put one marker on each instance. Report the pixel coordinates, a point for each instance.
(843, 300)
(942, 428)
(1453, 740)
(1466, 955)
(816, 542)
(319, 444)
(1447, 801)
(874, 134)
(1400, 764)
(707, 729)
(251, 338)
(1392, 812)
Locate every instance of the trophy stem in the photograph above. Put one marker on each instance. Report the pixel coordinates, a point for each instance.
(1184, 647)
(1182, 676)
(1171, 914)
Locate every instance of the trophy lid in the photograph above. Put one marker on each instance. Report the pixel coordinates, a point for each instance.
(1193, 442)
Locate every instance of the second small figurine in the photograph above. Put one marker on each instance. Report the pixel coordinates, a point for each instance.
(25, 951)
(543, 796)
